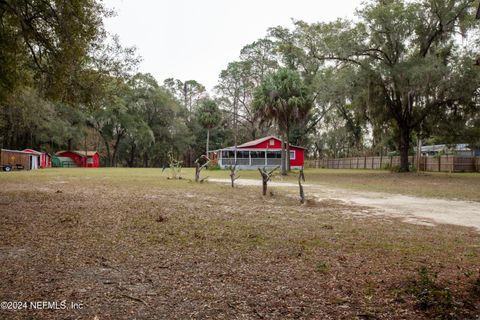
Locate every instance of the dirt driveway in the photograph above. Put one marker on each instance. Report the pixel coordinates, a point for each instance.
(426, 211)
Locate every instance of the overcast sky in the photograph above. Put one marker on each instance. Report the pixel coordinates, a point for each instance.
(196, 39)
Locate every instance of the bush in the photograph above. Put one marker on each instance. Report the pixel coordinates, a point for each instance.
(394, 168)
(432, 297)
(214, 166)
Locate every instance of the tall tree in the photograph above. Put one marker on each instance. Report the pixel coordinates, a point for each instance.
(208, 116)
(48, 43)
(410, 56)
(189, 93)
(283, 98)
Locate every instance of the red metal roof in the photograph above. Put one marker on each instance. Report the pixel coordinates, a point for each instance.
(258, 141)
(33, 151)
(81, 153)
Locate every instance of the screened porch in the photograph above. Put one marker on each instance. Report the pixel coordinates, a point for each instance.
(253, 158)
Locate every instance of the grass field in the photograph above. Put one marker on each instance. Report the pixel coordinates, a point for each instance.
(131, 244)
(463, 186)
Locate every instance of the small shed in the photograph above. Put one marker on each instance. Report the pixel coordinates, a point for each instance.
(85, 159)
(17, 159)
(44, 160)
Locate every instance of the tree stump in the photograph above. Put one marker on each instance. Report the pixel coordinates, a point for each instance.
(233, 174)
(200, 164)
(301, 177)
(266, 175)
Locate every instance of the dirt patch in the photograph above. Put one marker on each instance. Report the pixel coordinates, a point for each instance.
(422, 211)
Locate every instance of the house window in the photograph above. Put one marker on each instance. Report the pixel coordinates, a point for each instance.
(90, 160)
(272, 142)
(242, 154)
(228, 154)
(274, 154)
(292, 155)
(257, 154)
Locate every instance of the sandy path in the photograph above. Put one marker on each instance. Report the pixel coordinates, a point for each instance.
(428, 211)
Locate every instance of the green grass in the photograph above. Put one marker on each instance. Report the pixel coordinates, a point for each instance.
(461, 186)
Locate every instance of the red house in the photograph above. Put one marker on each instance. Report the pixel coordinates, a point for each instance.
(263, 152)
(42, 159)
(85, 159)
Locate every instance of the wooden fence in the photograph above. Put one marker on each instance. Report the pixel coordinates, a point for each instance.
(439, 164)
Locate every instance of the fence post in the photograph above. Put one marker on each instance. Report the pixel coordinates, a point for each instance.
(365, 163)
(373, 158)
(439, 163)
(381, 160)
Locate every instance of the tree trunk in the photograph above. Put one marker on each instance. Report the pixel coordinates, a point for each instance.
(132, 155)
(145, 160)
(301, 177)
(288, 151)
(265, 179)
(185, 101)
(404, 147)
(208, 140)
(107, 147)
(115, 150)
(282, 159)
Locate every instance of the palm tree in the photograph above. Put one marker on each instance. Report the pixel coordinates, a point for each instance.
(208, 116)
(282, 98)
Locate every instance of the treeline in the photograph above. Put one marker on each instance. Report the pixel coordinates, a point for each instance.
(67, 84)
(402, 71)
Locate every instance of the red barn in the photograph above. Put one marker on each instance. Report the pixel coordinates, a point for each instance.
(44, 160)
(263, 152)
(85, 159)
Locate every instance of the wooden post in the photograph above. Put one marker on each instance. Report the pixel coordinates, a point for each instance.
(381, 160)
(365, 163)
(373, 158)
(439, 163)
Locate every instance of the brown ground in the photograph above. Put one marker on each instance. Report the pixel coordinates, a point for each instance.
(130, 244)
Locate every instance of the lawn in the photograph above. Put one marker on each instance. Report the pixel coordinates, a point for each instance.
(129, 243)
(461, 186)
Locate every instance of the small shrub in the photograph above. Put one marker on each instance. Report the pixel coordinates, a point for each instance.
(214, 166)
(394, 168)
(322, 267)
(476, 287)
(431, 297)
(386, 166)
